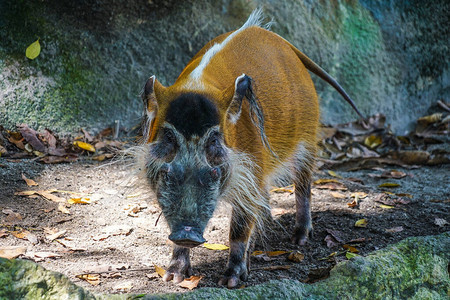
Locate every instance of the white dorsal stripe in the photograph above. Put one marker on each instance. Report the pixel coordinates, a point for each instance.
(255, 19)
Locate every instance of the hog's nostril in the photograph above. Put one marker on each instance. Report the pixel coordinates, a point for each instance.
(187, 228)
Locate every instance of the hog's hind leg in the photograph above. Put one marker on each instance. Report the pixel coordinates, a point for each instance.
(180, 265)
(303, 166)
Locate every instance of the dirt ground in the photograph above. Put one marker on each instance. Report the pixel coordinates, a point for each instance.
(107, 234)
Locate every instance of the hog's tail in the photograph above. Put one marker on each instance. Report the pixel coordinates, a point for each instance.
(316, 69)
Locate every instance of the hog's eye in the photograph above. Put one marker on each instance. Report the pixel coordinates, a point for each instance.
(166, 147)
(215, 153)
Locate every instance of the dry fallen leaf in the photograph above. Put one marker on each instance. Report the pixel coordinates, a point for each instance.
(124, 287)
(353, 204)
(68, 243)
(11, 252)
(389, 184)
(93, 279)
(51, 235)
(386, 206)
(215, 246)
(30, 182)
(274, 268)
(361, 223)
(350, 248)
(331, 241)
(334, 174)
(191, 282)
(81, 200)
(84, 146)
(323, 181)
(338, 195)
(276, 253)
(332, 186)
(40, 255)
(63, 209)
(285, 189)
(25, 235)
(296, 256)
(3, 233)
(12, 218)
(372, 141)
(360, 195)
(395, 229)
(160, 271)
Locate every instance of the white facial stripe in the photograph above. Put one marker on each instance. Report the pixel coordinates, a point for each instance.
(255, 19)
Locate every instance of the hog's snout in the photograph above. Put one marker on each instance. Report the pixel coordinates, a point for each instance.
(187, 236)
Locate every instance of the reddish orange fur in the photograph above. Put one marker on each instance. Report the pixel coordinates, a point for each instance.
(283, 87)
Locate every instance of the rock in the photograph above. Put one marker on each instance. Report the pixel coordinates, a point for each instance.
(390, 56)
(22, 279)
(415, 268)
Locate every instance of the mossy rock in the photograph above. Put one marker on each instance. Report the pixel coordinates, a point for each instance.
(415, 268)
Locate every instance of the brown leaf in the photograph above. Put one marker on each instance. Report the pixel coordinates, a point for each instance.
(338, 195)
(296, 256)
(3, 233)
(88, 137)
(332, 186)
(338, 235)
(31, 137)
(10, 252)
(40, 255)
(12, 218)
(30, 182)
(62, 208)
(358, 240)
(55, 235)
(331, 241)
(25, 235)
(274, 268)
(70, 244)
(395, 229)
(353, 204)
(324, 181)
(191, 282)
(350, 248)
(276, 253)
(51, 159)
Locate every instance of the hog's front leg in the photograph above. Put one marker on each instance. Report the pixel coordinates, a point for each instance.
(238, 262)
(180, 265)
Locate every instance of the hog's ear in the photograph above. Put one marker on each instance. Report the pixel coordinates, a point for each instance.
(244, 87)
(149, 96)
(151, 105)
(241, 86)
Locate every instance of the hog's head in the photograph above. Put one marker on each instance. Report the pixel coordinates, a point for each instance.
(188, 164)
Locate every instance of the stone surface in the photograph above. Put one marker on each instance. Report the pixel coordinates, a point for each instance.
(415, 268)
(391, 56)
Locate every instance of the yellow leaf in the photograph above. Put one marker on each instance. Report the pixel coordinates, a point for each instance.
(30, 182)
(372, 141)
(93, 279)
(350, 248)
(160, 271)
(389, 184)
(33, 50)
(276, 253)
(431, 118)
(386, 206)
(361, 223)
(322, 181)
(257, 252)
(79, 200)
(334, 174)
(285, 189)
(215, 246)
(84, 146)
